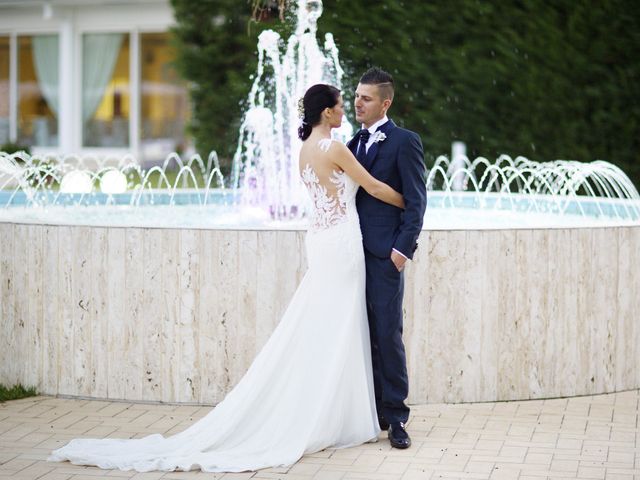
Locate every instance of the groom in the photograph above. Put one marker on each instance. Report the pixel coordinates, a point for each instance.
(394, 156)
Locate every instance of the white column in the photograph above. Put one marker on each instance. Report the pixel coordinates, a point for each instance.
(66, 79)
(76, 83)
(134, 107)
(13, 87)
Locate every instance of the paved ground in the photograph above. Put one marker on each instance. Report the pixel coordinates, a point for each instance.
(584, 437)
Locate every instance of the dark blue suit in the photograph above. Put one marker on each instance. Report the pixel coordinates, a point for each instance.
(398, 161)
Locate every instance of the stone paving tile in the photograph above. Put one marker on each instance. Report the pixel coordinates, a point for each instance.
(595, 437)
(55, 476)
(328, 475)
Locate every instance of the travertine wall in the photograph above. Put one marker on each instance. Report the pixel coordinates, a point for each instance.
(177, 315)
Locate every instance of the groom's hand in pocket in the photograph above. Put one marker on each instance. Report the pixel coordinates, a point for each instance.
(398, 260)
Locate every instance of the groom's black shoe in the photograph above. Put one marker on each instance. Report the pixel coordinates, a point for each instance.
(384, 425)
(398, 436)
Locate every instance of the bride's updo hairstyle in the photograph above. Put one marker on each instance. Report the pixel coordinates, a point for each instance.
(315, 100)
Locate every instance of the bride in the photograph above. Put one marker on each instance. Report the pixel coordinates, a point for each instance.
(311, 385)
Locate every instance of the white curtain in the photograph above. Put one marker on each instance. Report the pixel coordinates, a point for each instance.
(46, 55)
(99, 54)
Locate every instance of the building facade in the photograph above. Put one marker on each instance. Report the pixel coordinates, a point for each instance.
(91, 78)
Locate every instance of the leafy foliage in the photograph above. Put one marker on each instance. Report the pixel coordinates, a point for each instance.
(14, 147)
(544, 79)
(15, 392)
(547, 80)
(215, 56)
(216, 44)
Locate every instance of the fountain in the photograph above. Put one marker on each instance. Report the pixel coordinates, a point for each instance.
(162, 285)
(265, 164)
(508, 192)
(264, 183)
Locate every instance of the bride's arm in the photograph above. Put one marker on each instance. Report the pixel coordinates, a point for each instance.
(374, 187)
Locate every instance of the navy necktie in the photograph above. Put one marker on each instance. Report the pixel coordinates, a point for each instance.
(362, 144)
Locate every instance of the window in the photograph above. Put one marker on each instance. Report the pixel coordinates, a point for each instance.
(38, 90)
(105, 90)
(4, 90)
(109, 98)
(164, 100)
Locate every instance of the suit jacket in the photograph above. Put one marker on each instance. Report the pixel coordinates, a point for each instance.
(398, 161)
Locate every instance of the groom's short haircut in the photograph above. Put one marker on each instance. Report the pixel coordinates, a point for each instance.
(384, 81)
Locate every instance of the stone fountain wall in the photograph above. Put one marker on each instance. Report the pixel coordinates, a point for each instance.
(177, 315)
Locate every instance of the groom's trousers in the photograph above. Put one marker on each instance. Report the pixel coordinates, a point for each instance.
(385, 289)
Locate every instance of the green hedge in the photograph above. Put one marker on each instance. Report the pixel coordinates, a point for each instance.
(544, 79)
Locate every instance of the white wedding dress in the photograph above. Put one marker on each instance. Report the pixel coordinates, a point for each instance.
(311, 385)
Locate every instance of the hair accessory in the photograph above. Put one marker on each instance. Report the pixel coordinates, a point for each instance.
(301, 108)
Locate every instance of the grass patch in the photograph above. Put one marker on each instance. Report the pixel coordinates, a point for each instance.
(16, 392)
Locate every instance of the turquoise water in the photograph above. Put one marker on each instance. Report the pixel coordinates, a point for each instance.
(223, 209)
(155, 197)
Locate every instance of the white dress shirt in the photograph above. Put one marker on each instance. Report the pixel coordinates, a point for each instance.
(373, 128)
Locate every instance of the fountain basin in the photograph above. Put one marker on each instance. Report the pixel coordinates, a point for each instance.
(177, 314)
(219, 209)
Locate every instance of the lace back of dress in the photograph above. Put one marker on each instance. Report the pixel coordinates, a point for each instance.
(327, 194)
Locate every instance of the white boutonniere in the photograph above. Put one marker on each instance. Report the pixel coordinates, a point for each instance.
(379, 137)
